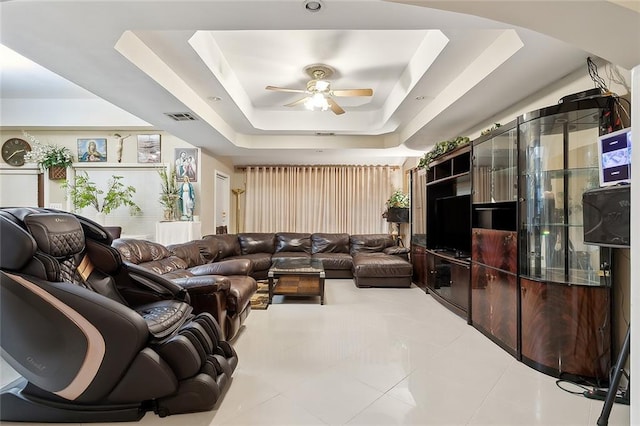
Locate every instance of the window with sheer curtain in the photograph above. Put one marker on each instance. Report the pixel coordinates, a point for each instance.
(347, 199)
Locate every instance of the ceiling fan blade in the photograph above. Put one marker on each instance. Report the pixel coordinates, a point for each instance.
(352, 92)
(337, 109)
(298, 102)
(284, 89)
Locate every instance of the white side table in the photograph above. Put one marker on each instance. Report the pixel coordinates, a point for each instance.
(177, 232)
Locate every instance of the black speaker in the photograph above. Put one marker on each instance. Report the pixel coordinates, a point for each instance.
(606, 216)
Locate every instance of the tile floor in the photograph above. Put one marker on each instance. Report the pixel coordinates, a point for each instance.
(380, 357)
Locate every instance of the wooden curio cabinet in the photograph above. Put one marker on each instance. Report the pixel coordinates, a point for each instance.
(494, 255)
(565, 293)
(503, 244)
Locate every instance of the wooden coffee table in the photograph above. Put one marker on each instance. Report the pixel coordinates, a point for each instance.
(296, 277)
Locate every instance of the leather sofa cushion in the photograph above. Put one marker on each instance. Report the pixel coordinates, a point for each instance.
(140, 251)
(228, 244)
(260, 261)
(293, 242)
(189, 252)
(172, 275)
(209, 249)
(335, 261)
(370, 243)
(166, 265)
(290, 254)
(258, 242)
(152, 256)
(329, 243)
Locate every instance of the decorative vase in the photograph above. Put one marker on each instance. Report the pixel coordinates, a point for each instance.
(57, 172)
(168, 215)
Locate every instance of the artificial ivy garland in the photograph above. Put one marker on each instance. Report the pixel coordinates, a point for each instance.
(440, 149)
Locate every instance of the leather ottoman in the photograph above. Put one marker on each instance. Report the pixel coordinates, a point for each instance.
(381, 270)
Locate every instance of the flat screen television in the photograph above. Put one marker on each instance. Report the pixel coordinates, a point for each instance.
(614, 157)
(454, 223)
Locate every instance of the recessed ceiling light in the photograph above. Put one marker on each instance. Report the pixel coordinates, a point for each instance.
(214, 98)
(313, 5)
(419, 98)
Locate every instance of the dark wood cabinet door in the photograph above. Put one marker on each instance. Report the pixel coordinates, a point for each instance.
(498, 249)
(460, 277)
(494, 305)
(430, 277)
(419, 262)
(566, 329)
(448, 281)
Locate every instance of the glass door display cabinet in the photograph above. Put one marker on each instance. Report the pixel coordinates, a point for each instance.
(494, 238)
(564, 289)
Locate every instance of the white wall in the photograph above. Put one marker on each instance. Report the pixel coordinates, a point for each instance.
(147, 190)
(573, 83)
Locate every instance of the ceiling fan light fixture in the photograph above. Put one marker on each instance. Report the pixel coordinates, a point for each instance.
(322, 85)
(317, 102)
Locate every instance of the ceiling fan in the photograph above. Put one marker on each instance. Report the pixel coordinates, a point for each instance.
(319, 94)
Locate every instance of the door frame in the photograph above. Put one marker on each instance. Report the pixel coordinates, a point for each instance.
(225, 189)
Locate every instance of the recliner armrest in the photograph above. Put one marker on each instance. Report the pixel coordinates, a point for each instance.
(224, 267)
(397, 251)
(204, 283)
(156, 283)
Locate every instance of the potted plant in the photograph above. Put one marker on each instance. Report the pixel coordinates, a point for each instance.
(54, 158)
(84, 193)
(170, 193)
(398, 207)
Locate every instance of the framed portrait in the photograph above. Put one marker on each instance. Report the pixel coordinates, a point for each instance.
(148, 148)
(186, 163)
(91, 150)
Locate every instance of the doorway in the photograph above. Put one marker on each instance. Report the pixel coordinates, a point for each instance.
(222, 201)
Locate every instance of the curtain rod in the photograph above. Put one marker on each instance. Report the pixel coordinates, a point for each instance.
(243, 168)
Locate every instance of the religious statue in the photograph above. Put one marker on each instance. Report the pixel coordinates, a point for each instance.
(187, 199)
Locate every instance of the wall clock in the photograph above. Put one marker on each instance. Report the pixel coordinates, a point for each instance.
(13, 151)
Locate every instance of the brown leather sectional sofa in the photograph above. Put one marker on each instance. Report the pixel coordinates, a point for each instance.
(220, 271)
(372, 260)
(223, 288)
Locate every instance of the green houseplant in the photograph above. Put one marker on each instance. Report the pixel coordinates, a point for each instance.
(84, 193)
(397, 207)
(54, 158)
(169, 194)
(398, 199)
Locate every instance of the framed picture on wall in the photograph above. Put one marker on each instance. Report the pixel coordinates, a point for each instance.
(186, 163)
(92, 150)
(148, 148)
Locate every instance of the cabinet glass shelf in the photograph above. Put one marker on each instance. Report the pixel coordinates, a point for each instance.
(558, 163)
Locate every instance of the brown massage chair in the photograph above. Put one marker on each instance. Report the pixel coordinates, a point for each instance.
(85, 353)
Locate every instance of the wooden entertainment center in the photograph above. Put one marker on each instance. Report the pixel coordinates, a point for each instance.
(497, 237)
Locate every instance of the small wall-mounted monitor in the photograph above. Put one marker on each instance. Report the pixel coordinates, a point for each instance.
(614, 155)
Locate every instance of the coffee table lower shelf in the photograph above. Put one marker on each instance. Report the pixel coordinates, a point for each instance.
(292, 285)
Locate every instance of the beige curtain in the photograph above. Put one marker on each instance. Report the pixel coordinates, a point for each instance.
(347, 199)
